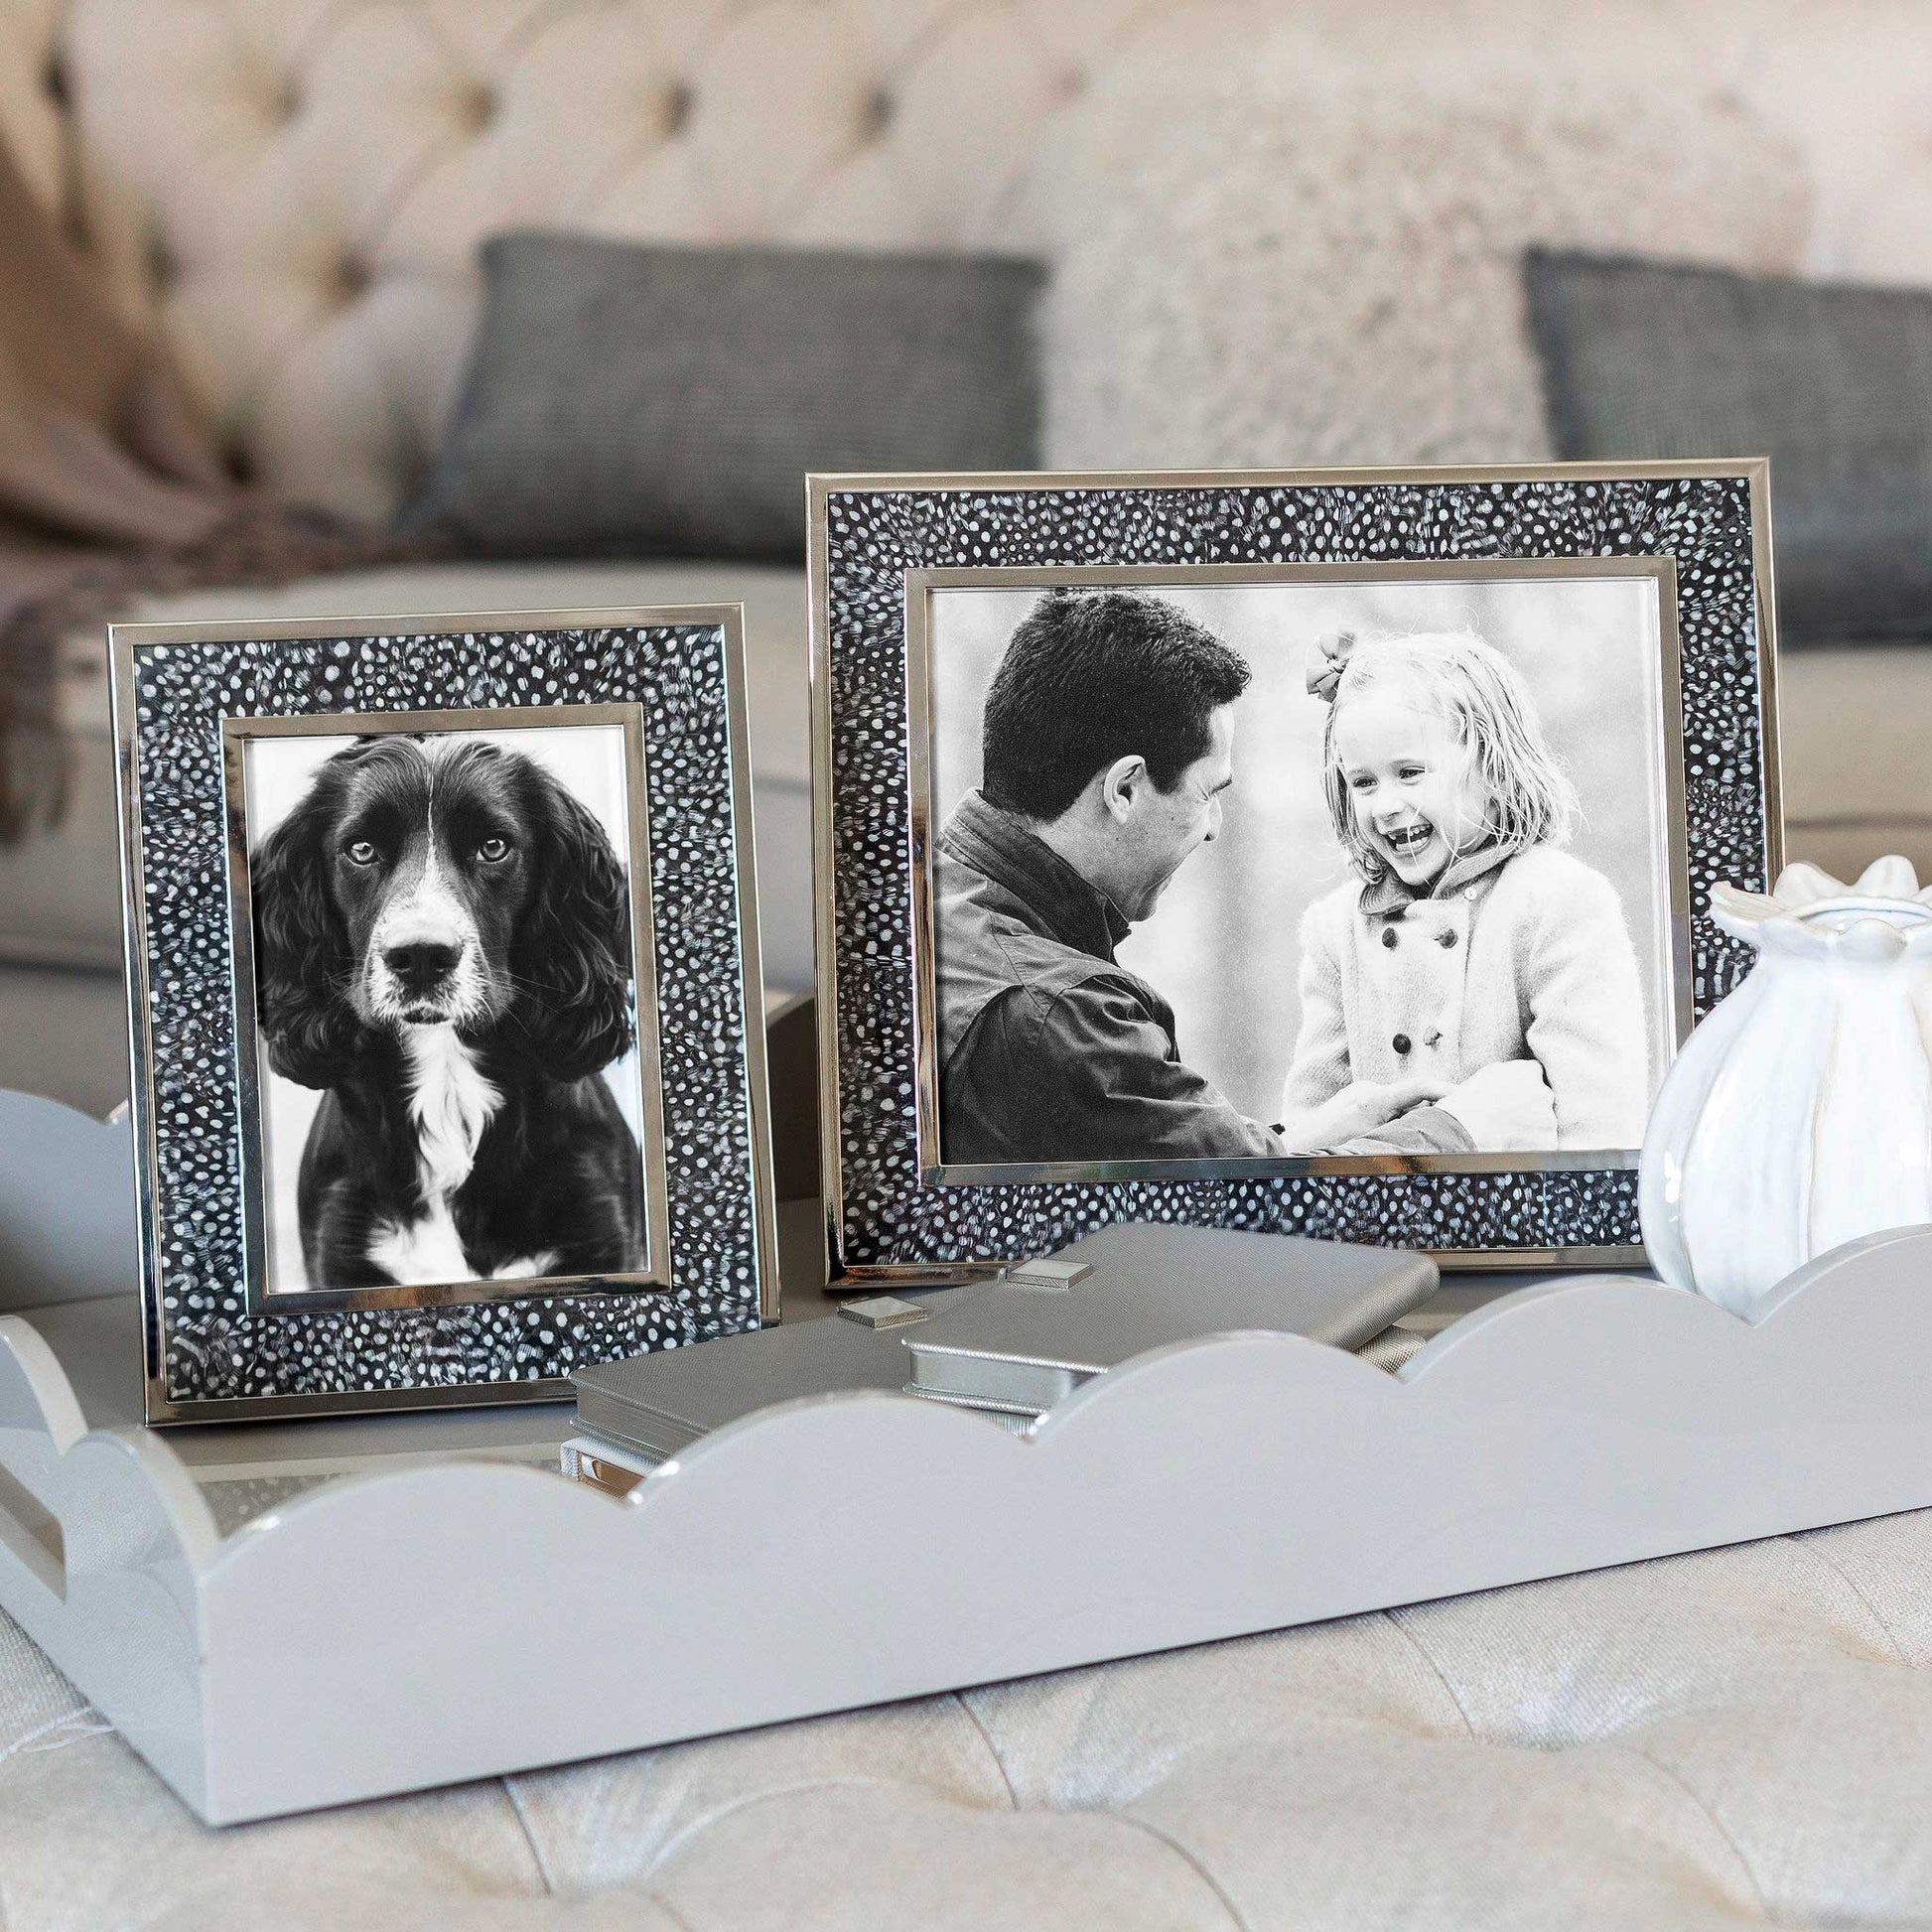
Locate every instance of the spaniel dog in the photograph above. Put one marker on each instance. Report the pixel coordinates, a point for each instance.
(442, 946)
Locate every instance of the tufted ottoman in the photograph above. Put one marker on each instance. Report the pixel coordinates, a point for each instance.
(1738, 1736)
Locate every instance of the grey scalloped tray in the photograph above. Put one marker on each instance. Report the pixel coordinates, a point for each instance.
(842, 1551)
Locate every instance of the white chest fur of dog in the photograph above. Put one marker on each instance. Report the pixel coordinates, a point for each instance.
(450, 1105)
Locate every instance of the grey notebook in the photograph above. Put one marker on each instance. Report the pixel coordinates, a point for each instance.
(1022, 1346)
(662, 1403)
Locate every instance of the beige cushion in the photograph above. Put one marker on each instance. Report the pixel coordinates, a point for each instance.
(1316, 256)
(1730, 1737)
(1854, 726)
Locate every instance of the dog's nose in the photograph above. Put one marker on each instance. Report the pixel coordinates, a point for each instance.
(422, 964)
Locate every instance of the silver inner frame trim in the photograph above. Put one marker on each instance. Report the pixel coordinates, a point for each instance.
(936, 1171)
(236, 733)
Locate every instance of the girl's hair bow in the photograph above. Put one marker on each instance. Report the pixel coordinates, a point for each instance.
(1327, 661)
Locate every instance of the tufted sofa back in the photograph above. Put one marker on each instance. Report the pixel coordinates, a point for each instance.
(297, 188)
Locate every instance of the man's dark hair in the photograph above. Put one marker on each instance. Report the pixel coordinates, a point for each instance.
(1091, 676)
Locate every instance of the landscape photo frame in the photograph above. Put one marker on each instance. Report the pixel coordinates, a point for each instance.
(1631, 605)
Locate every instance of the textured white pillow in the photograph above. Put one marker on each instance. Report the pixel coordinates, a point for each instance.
(1313, 258)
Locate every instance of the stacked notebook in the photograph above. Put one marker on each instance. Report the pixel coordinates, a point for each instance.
(1009, 1349)
(1021, 1345)
(656, 1406)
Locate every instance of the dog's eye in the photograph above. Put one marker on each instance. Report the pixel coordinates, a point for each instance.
(494, 850)
(360, 853)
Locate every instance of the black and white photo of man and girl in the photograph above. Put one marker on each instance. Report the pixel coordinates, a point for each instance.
(1311, 867)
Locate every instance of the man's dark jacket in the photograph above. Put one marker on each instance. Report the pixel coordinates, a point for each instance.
(1049, 1050)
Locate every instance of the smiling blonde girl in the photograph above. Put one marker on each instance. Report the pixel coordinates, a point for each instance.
(1472, 976)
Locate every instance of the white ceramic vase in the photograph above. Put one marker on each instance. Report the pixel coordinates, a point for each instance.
(1799, 1114)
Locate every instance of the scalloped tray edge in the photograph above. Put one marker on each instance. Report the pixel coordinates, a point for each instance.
(850, 1550)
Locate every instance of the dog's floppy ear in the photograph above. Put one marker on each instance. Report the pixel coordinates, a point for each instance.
(572, 956)
(301, 947)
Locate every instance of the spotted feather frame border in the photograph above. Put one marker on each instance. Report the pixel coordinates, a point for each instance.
(207, 1358)
(868, 532)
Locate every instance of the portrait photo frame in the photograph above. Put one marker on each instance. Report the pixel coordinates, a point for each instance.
(887, 549)
(527, 724)
(445, 1011)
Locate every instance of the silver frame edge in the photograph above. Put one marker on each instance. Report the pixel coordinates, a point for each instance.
(122, 641)
(821, 486)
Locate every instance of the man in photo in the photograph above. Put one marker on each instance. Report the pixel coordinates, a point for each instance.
(1108, 743)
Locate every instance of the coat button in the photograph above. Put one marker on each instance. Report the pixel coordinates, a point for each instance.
(1400, 1042)
(1388, 936)
(1446, 940)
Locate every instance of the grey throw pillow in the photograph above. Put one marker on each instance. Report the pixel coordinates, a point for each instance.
(659, 401)
(1833, 382)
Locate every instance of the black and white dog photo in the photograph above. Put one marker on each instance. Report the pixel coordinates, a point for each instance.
(446, 1007)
